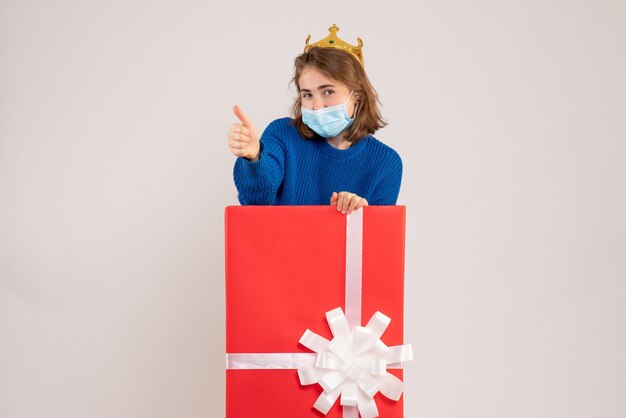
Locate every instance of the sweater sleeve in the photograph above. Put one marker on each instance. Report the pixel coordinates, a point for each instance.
(258, 182)
(387, 190)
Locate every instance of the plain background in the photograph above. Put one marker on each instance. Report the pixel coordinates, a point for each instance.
(510, 117)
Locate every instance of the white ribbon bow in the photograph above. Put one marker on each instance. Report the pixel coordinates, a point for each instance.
(354, 364)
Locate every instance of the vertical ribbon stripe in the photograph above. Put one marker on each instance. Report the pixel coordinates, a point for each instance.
(354, 265)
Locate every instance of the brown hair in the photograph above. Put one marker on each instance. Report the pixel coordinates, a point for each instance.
(344, 68)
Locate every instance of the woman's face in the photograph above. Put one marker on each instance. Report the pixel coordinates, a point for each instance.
(318, 91)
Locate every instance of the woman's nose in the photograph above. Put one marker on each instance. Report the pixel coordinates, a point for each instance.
(317, 104)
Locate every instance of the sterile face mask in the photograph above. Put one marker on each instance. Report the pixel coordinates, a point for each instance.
(328, 122)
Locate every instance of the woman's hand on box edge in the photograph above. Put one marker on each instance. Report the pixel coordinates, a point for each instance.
(347, 202)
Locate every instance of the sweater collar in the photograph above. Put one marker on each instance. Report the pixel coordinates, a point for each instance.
(342, 154)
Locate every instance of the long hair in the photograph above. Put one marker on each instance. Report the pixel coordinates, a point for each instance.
(341, 66)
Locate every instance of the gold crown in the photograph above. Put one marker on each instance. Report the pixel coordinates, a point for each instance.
(333, 41)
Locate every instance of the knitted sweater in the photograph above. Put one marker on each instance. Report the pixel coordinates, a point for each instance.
(292, 170)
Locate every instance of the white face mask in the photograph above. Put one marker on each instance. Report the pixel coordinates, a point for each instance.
(328, 122)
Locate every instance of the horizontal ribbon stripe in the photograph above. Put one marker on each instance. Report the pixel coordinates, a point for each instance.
(253, 361)
(250, 361)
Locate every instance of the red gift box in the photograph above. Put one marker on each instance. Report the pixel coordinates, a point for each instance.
(286, 268)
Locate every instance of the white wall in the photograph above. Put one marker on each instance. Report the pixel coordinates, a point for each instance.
(114, 173)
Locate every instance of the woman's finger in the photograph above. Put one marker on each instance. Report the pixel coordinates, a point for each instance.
(239, 128)
(238, 137)
(241, 116)
(362, 203)
(238, 131)
(354, 204)
(347, 202)
(344, 201)
(340, 196)
(333, 199)
(237, 152)
(237, 144)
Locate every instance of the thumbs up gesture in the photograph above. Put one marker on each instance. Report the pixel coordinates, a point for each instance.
(243, 138)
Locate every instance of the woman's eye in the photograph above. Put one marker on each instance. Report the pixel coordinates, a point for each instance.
(306, 95)
(328, 92)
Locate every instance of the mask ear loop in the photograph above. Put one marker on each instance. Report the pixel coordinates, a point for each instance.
(347, 100)
(356, 106)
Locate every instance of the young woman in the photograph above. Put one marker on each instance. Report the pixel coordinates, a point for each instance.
(326, 151)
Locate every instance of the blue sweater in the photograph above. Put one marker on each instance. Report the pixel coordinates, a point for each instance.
(292, 170)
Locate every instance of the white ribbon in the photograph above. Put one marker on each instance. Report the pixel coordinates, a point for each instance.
(354, 364)
(251, 361)
(354, 267)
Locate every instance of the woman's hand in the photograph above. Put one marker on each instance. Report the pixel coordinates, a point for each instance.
(347, 202)
(243, 138)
